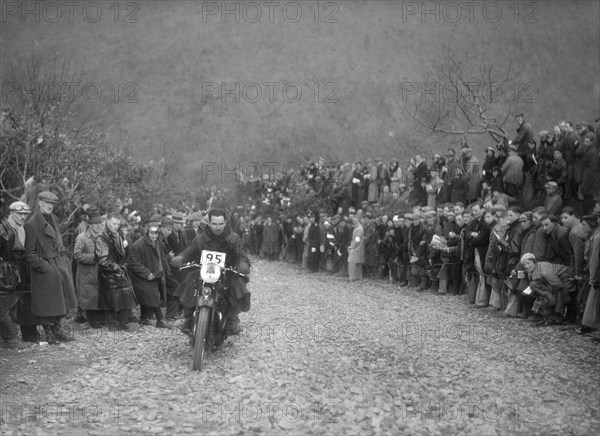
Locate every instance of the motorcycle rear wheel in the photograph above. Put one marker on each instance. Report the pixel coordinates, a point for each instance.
(200, 338)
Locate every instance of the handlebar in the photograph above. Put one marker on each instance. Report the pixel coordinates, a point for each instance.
(199, 265)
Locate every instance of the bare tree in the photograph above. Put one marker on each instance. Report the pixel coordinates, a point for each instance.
(462, 98)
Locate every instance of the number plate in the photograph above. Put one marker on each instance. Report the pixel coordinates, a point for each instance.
(213, 257)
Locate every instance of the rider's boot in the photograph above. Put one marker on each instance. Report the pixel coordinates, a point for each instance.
(233, 326)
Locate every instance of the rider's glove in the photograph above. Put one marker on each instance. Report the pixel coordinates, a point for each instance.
(176, 262)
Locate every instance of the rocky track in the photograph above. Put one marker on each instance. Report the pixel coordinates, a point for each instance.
(318, 356)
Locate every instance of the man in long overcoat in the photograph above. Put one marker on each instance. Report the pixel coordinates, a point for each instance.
(86, 277)
(52, 291)
(149, 268)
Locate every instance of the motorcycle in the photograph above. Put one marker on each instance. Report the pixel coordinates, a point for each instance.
(210, 316)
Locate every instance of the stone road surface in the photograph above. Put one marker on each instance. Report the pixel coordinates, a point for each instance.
(318, 356)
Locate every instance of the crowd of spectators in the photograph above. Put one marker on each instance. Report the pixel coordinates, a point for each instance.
(518, 234)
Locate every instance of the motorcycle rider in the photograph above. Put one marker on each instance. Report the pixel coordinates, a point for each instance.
(217, 236)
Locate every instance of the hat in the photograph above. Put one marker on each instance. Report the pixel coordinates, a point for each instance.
(512, 147)
(408, 216)
(544, 133)
(430, 214)
(166, 222)
(499, 208)
(156, 218)
(436, 156)
(527, 256)
(95, 219)
(551, 185)
(19, 206)
(591, 219)
(520, 114)
(492, 149)
(402, 185)
(48, 197)
(153, 229)
(351, 210)
(178, 218)
(581, 124)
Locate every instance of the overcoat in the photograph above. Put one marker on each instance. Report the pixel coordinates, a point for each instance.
(86, 278)
(114, 285)
(52, 290)
(356, 252)
(270, 244)
(145, 258)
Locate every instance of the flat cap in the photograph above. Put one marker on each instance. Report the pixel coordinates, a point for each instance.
(430, 214)
(544, 133)
(95, 219)
(520, 114)
(195, 216)
(48, 197)
(512, 147)
(166, 222)
(178, 218)
(551, 185)
(155, 218)
(19, 206)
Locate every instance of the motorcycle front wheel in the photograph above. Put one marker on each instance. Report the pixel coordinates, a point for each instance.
(200, 338)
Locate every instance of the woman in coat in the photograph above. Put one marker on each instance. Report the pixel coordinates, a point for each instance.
(86, 278)
(114, 285)
(356, 250)
(149, 269)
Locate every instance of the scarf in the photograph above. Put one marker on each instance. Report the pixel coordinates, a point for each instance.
(19, 232)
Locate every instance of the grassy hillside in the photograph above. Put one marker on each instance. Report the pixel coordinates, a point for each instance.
(172, 51)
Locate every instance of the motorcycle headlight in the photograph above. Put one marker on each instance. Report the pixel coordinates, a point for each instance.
(206, 291)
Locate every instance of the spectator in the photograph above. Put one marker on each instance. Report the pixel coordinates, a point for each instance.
(524, 134)
(113, 281)
(12, 249)
(52, 291)
(512, 173)
(553, 201)
(86, 280)
(356, 250)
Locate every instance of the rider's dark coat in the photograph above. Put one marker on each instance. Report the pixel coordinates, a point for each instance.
(228, 243)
